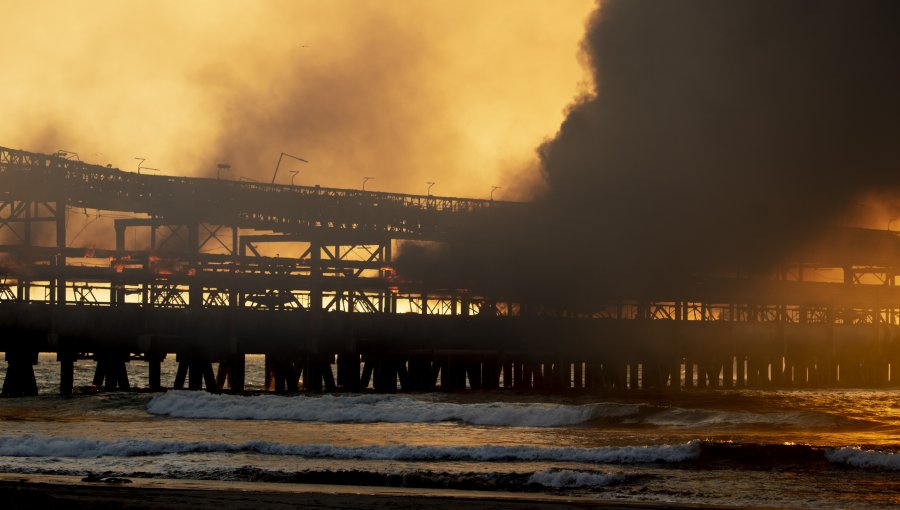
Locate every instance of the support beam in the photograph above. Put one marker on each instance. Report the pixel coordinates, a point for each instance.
(20, 381)
(66, 373)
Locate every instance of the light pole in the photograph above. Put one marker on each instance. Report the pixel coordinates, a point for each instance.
(294, 174)
(283, 154)
(430, 184)
(365, 180)
(141, 167)
(220, 167)
(493, 189)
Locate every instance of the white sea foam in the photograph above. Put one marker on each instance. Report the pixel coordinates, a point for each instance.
(378, 408)
(566, 478)
(404, 409)
(857, 457)
(41, 446)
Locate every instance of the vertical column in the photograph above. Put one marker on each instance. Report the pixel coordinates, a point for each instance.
(387, 261)
(66, 373)
(312, 374)
(237, 376)
(154, 361)
(61, 252)
(741, 372)
(728, 372)
(20, 381)
(24, 287)
(195, 290)
(315, 274)
(118, 293)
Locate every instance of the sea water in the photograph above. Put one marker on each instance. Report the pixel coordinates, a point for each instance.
(783, 448)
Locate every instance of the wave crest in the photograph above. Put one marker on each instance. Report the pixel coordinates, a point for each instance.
(40, 446)
(857, 457)
(377, 408)
(568, 479)
(405, 409)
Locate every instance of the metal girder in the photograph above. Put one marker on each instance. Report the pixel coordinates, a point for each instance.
(168, 295)
(281, 208)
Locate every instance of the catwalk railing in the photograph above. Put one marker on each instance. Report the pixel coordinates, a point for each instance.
(277, 207)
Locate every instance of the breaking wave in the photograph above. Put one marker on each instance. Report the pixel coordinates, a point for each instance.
(42, 446)
(568, 479)
(703, 452)
(404, 409)
(857, 457)
(378, 408)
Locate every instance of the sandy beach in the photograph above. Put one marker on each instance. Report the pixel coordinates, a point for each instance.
(52, 492)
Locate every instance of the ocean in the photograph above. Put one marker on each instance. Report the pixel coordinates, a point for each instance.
(793, 448)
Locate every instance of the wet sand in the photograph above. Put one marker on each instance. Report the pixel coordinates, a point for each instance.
(51, 492)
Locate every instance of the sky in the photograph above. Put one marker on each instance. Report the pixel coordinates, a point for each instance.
(736, 114)
(458, 92)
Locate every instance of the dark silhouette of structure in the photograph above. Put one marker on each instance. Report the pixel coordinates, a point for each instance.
(199, 280)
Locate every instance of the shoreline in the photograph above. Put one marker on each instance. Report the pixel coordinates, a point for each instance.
(26, 491)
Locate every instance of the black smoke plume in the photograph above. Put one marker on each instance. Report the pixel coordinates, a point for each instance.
(721, 133)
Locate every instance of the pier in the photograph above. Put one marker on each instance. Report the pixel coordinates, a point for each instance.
(211, 270)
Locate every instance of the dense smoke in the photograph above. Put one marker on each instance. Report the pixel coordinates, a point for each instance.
(720, 133)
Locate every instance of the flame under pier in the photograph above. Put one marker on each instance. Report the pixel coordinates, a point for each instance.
(212, 270)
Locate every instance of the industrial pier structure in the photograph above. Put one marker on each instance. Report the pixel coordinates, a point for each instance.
(212, 270)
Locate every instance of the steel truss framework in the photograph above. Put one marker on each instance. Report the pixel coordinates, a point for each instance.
(203, 232)
(222, 249)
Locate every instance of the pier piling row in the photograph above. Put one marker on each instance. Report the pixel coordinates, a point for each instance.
(540, 354)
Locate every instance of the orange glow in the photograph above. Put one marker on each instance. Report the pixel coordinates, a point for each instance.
(457, 91)
(117, 263)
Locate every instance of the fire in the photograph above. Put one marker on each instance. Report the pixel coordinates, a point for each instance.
(117, 263)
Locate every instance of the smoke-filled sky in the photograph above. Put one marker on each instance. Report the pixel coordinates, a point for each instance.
(727, 131)
(459, 92)
(666, 138)
(721, 133)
